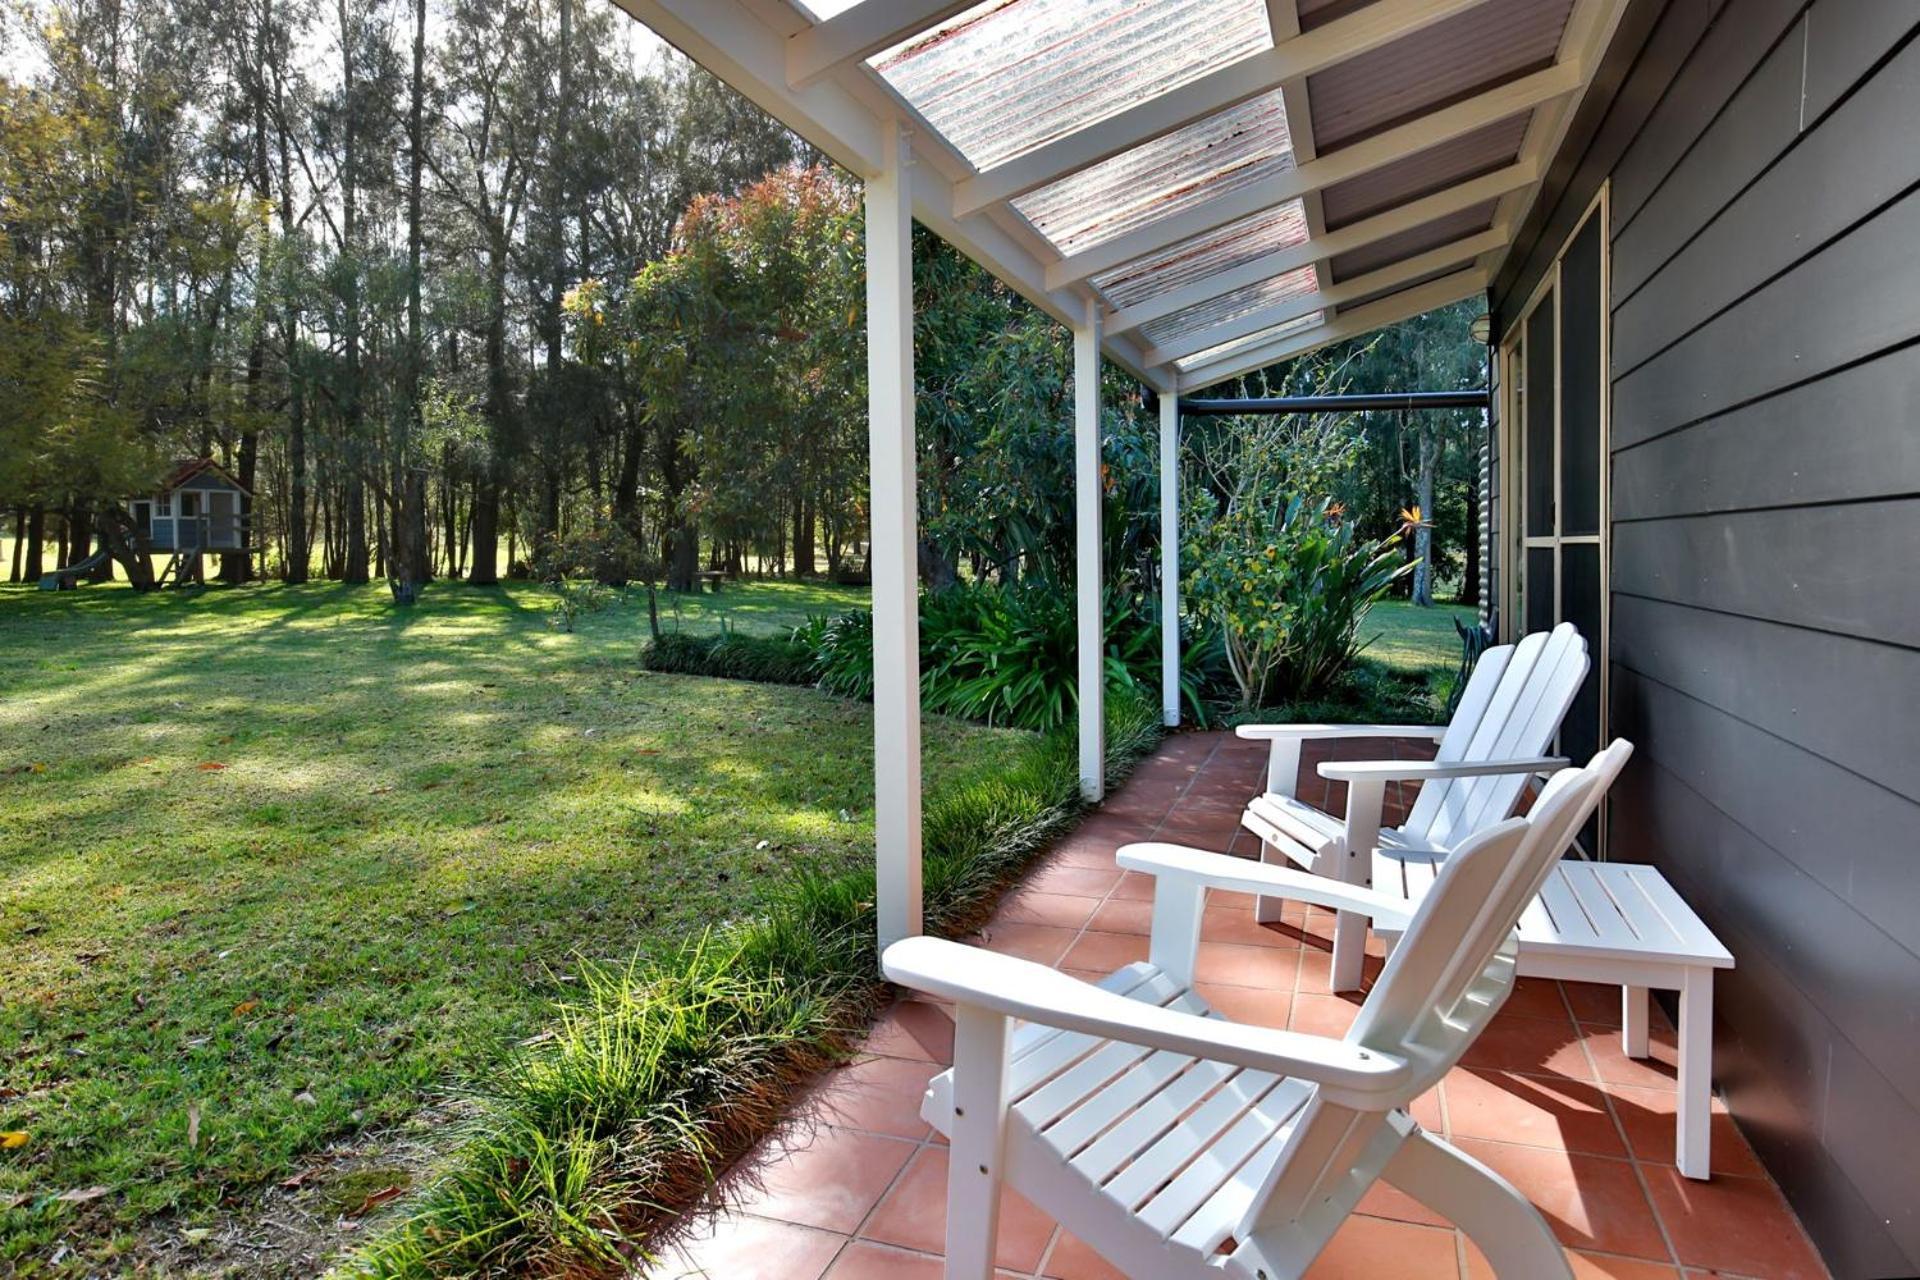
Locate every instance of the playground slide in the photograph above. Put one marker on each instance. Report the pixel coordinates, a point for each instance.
(64, 579)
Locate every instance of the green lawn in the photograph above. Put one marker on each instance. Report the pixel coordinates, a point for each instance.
(1407, 638)
(278, 865)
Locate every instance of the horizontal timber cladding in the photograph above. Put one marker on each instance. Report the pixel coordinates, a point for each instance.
(1841, 438)
(1764, 166)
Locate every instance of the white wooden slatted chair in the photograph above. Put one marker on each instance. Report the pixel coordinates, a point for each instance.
(1506, 720)
(1179, 1144)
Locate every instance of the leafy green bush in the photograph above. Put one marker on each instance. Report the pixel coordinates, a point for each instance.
(843, 653)
(1289, 585)
(593, 1138)
(575, 598)
(731, 655)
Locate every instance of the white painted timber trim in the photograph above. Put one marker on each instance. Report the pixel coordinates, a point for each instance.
(1088, 586)
(1323, 171)
(1378, 24)
(1349, 324)
(861, 32)
(1170, 559)
(1353, 236)
(892, 557)
(1459, 253)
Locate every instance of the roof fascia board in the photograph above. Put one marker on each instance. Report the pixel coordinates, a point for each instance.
(1382, 149)
(1366, 29)
(1350, 324)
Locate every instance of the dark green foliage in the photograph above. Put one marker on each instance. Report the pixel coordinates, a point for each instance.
(732, 655)
(843, 653)
(1365, 693)
(592, 1139)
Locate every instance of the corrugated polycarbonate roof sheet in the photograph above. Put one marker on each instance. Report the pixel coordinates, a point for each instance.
(1200, 256)
(1226, 151)
(1009, 75)
(1484, 46)
(1189, 165)
(1300, 325)
(1230, 306)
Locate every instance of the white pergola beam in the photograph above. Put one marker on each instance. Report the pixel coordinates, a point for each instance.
(861, 32)
(1458, 253)
(892, 559)
(1089, 589)
(1377, 24)
(1170, 560)
(1353, 236)
(1382, 149)
(1349, 324)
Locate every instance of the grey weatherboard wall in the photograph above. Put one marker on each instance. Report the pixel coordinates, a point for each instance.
(1764, 157)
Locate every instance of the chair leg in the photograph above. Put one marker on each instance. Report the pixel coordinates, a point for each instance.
(1267, 909)
(1493, 1213)
(1633, 1021)
(974, 1173)
(1349, 951)
(1693, 1114)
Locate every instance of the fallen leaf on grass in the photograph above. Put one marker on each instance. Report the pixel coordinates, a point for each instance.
(12, 1138)
(245, 1007)
(193, 1126)
(210, 766)
(299, 1179)
(375, 1199)
(197, 1235)
(80, 1195)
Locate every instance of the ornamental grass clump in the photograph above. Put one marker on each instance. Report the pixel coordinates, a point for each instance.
(598, 1134)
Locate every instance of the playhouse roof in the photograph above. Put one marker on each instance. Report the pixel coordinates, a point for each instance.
(185, 469)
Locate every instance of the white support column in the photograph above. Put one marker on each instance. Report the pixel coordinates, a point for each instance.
(1087, 542)
(1170, 558)
(891, 558)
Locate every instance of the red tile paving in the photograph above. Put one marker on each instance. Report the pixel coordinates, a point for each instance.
(853, 1188)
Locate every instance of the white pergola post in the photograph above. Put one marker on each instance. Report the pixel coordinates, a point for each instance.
(1170, 558)
(1087, 542)
(891, 558)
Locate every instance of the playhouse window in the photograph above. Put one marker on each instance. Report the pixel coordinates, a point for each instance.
(163, 505)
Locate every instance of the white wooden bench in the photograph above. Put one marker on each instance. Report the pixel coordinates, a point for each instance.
(1622, 924)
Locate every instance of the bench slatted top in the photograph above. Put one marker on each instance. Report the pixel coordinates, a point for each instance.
(1599, 909)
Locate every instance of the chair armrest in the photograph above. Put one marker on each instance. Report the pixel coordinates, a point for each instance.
(1270, 732)
(1425, 770)
(1018, 988)
(1243, 875)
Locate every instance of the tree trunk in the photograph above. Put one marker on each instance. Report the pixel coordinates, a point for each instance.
(1470, 586)
(353, 567)
(299, 541)
(129, 546)
(19, 543)
(36, 533)
(410, 565)
(683, 558)
(486, 534)
(79, 535)
(936, 571)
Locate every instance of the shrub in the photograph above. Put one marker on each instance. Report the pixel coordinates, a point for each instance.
(1289, 586)
(731, 655)
(574, 598)
(592, 1139)
(843, 653)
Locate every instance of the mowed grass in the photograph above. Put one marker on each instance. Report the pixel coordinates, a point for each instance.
(1413, 639)
(279, 865)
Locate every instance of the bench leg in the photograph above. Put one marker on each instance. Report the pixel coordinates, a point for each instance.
(1694, 1115)
(1633, 1021)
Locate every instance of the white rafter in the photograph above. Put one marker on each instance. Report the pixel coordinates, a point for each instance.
(1379, 23)
(861, 32)
(1317, 174)
(1350, 324)
(1353, 236)
(1459, 253)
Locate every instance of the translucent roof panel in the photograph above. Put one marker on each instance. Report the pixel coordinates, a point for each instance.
(1207, 254)
(1231, 306)
(1009, 75)
(1300, 325)
(1227, 151)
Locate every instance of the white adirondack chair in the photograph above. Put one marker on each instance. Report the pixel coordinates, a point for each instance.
(1178, 1144)
(1505, 722)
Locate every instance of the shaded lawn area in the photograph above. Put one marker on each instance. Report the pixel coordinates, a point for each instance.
(764, 607)
(278, 864)
(1412, 639)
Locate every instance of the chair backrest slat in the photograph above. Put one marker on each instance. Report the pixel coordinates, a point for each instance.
(1448, 975)
(1536, 685)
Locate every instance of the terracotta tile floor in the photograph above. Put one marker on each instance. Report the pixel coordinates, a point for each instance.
(853, 1187)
